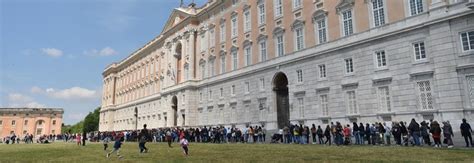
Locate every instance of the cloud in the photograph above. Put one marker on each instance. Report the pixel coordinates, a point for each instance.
(36, 90)
(20, 100)
(73, 93)
(107, 51)
(52, 52)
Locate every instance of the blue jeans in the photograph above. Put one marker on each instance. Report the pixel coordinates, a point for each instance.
(416, 137)
(357, 137)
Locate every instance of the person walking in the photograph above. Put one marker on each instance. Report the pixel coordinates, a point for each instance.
(78, 139)
(414, 129)
(327, 133)
(448, 134)
(397, 133)
(320, 134)
(143, 137)
(466, 131)
(425, 133)
(105, 141)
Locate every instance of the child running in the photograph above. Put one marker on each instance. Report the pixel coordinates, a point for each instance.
(117, 145)
(106, 142)
(184, 144)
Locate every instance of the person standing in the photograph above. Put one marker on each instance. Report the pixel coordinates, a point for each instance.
(78, 139)
(397, 133)
(425, 134)
(466, 131)
(319, 132)
(387, 134)
(355, 132)
(313, 133)
(84, 138)
(361, 134)
(435, 131)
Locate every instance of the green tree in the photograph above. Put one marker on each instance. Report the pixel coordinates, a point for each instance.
(91, 122)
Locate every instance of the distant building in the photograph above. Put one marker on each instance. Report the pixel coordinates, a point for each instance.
(36, 121)
(272, 62)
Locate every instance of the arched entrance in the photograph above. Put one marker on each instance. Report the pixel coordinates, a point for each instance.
(280, 87)
(174, 107)
(39, 127)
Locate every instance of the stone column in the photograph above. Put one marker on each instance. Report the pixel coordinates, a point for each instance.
(192, 55)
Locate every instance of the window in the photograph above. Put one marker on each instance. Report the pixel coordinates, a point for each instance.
(425, 97)
(210, 95)
(203, 70)
(212, 38)
(261, 13)
(54, 122)
(263, 50)
(203, 42)
(384, 99)
(299, 35)
(296, 4)
(248, 55)
(212, 69)
(347, 22)
(232, 90)
(26, 122)
(467, 39)
(279, 44)
(321, 30)
(278, 8)
(381, 59)
(247, 20)
(234, 60)
(234, 25)
(324, 104)
(221, 92)
(186, 73)
(351, 102)
(247, 87)
(470, 85)
(349, 66)
(222, 64)
(200, 95)
(14, 123)
(299, 74)
(419, 49)
(222, 37)
(416, 7)
(262, 84)
(301, 107)
(378, 11)
(322, 71)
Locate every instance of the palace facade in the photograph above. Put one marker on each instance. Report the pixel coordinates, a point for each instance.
(272, 62)
(36, 121)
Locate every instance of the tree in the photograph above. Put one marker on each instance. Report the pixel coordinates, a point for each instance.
(91, 122)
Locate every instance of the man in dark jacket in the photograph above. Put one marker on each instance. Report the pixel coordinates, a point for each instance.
(142, 139)
(466, 132)
(414, 129)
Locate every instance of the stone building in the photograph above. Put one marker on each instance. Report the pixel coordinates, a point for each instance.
(271, 62)
(36, 121)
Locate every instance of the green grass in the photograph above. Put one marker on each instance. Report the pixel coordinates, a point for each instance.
(62, 152)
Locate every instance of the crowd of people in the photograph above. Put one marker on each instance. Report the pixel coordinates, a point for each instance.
(430, 133)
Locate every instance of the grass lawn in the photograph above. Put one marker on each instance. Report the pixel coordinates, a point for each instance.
(62, 152)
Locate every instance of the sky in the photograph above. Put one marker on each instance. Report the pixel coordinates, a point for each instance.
(53, 52)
